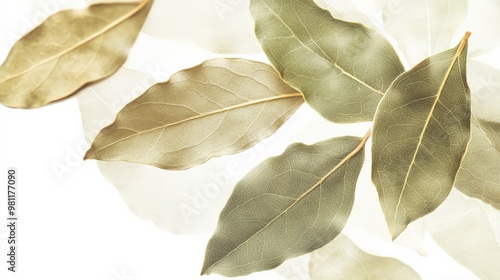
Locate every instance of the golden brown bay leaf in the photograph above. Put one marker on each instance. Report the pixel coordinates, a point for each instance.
(222, 106)
(420, 135)
(342, 68)
(422, 27)
(68, 50)
(466, 229)
(479, 174)
(342, 259)
(287, 206)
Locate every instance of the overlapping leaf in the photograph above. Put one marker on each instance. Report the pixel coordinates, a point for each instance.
(220, 107)
(423, 27)
(68, 50)
(287, 206)
(342, 259)
(421, 131)
(342, 68)
(479, 174)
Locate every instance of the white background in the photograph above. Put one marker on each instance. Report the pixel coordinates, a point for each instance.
(77, 226)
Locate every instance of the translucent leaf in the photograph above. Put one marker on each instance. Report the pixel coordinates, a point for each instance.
(420, 134)
(222, 106)
(342, 259)
(182, 202)
(220, 26)
(479, 174)
(69, 50)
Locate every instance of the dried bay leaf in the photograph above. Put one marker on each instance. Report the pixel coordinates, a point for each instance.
(220, 107)
(342, 259)
(327, 59)
(287, 206)
(479, 174)
(220, 26)
(68, 50)
(421, 131)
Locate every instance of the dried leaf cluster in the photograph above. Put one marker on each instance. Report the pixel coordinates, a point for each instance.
(426, 137)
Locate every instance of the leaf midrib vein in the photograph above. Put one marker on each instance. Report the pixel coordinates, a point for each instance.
(86, 40)
(227, 109)
(328, 60)
(307, 192)
(431, 112)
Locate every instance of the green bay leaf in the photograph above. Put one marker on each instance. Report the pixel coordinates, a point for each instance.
(69, 50)
(438, 22)
(421, 131)
(479, 174)
(342, 68)
(223, 106)
(287, 206)
(341, 259)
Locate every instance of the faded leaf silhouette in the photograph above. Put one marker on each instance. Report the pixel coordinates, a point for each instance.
(423, 27)
(68, 50)
(223, 106)
(287, 206)
(421, 131)
(215, 25)
(482, 20)
(342, 259)
(182, 202)
(325, 58)
(461, 226)
(353, 10)
(479, 175)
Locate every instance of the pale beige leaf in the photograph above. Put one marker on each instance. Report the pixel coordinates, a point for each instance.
(287, 206)
(181, 202)
(353, 10)
(479, 174)
(223, 106)
(423, 27)
(421, 131)
(68, 50)
(341, 259)
(327, 59)
(220, 26)
(462, 227)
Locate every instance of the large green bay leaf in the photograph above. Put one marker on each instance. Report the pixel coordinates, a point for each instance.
(479, 174)
(287, 206)
(342, 68)
(421, 131)
(69, 50)
(342, 259)
(222, 106)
